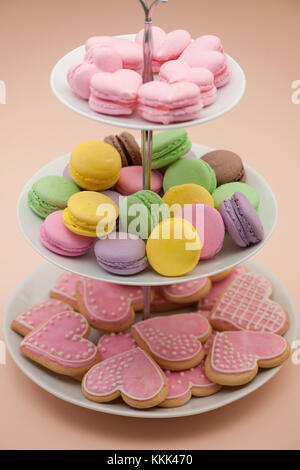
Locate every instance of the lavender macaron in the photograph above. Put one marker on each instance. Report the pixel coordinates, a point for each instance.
(121, 253)
(241, 220)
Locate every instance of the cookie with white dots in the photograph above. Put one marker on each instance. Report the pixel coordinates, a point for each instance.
(115, 343)
(65, 289)
(235, 356)
(60, 344)
(34, 316)
(109, 307)
(187, 292)
(173, 341)
(133, 375)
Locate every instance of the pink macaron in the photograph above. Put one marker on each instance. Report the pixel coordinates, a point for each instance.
(79, 78)
(115, 93)
(214, 61)
(131, 180)
(57, 238)
(209, 225)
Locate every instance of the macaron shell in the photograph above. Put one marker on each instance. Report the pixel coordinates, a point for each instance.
(186, 194)
(228, 166)
(172, 255)
(131, 180)
(189, 171)
(95, 165)
(210, 227)
(226, 191)
(169, 146)
(57, 238)
(131, 148)
(113, 140)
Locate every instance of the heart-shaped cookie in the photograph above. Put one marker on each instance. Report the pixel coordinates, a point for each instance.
(60, 344)
(65, 289)
(34, 316)
(132, 374)
(166, 46)
(187, 292)
(245, 305)
(115, 343)
(108, 307)
(185, 384)
(173, 341)
(178, 71)
(235, 356)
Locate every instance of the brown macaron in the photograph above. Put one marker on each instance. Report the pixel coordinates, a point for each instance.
(127, 147)
(227, 165)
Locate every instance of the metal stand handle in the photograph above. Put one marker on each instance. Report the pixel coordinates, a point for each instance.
(147, 136)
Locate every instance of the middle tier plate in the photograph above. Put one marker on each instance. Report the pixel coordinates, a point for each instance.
(86, 265)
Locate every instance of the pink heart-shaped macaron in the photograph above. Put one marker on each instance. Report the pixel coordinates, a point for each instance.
(179, 71)
(245, 305)
(208, 42)
(79, 78)
(214, 61)
(174, 340)
(60, 345)
(132, 374)
(166, 46)
(172, 96)
(121, 85)
(239, 353)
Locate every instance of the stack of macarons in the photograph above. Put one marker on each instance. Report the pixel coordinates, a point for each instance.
(179, 221)
(188, 75)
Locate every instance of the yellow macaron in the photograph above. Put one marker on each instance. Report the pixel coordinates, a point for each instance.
(90, 214)
(174, 247)
(178, 196)
(95, 165)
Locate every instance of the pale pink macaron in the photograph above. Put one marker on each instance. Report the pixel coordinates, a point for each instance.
(209, 225)
(57, 238)
(164, 102)
(115, 93)
(166, 46)
(214, 61)
(131, 180)
(209, 42)
(176, 71)
(130, 52)
(79, 77)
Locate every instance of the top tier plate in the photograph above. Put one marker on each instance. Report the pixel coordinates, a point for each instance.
(228, 96)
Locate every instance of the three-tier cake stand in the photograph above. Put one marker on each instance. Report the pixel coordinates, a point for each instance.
(35, 286)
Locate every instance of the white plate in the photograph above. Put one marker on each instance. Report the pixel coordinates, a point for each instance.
(228, 96)
(35, 287)
(86, 265)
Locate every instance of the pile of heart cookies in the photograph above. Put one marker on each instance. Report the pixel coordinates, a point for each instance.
(188, 75)
(233, 328)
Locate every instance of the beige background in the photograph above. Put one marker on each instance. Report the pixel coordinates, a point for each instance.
(263, 35)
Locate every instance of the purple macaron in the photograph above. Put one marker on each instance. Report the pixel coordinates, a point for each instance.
(241, 220)
(58, 238)
(121, 253)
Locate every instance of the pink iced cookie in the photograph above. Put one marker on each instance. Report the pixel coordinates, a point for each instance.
(34, 316)
(245, 305)
(211, 60)
(164, 102)
(208, 343)
(131, 180)
(183, 385)
(79, 78)
(130, 52)
(207, 302)
(160, 303)
(60, 344)
(65, 289)
(178, 71)
(173, 341)
(235, 356)
(108, 307)
(165, 46)
(210, 227)
(133, 375)
(115, 343)
(114, 93)
(187, 292)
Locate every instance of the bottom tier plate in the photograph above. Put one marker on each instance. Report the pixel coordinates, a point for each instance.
(35, 287)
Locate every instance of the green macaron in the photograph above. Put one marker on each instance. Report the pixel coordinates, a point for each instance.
(190, 171)
(50, 194)
(169, 146)
(226, 191)
(141, 212)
